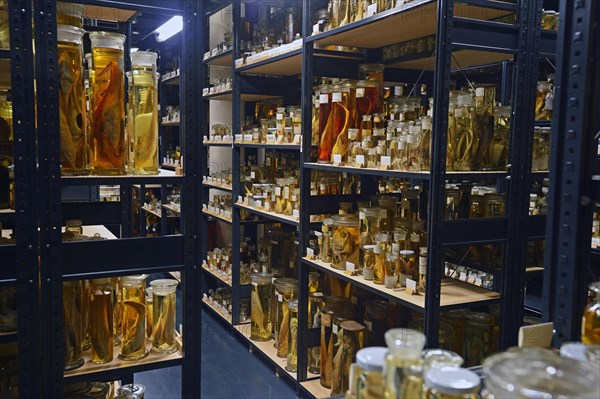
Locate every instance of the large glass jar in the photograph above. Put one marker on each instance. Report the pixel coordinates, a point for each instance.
(72, 327)
(335, 306)
(464, 133)
(477, 337)
(107, 132)
(494, 205)
(433, 358)
(164, 310)
(101, 320)
(380, 249)
(144, 97)
(8, 309)
(285, 290)
(4, 27)
(69, 14)
(352, 335)
(260, 307)
(541, 149)
(590, 328)
(451, 383)
(499, 146)
(376, 318)
(134, 318)
(373, 72)
(389, 204)
(456, 319)
(73, 118)
(118, 310)
(392, 270)
(345, 240)
(325, 127)
(341, 118)
(539, 373)
(292, 344)
(368, 226)
(369, 376)
(405, 346)
(337, 353)
(315, 306)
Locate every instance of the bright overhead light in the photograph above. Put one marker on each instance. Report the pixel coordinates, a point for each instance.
(169, 28)
(133, 49)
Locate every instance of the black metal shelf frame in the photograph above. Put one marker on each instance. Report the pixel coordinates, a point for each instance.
(63, 261)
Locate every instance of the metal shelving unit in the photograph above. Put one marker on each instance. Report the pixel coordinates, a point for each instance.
(91, 259)
(574, 187)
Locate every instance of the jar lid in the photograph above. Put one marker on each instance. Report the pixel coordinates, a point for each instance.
(441, 357)
(137, 389)
(407, 252)
(408, 341)
(285, 284)
(345, 220)
(452, 380)
(107, 40)
(351, 325)
(143, 58)
(164, 283)
(261, 277)
(69, 34)
(372, 358)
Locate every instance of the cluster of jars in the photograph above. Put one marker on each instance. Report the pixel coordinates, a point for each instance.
(99, 141)
(384, 243)
(421, 45)
(220, 132)
(271, 32)
(550, 19)
(223, 178)
(341, 12)
(596, 227)
(174, 198)
(544, 99)
(218, 86)
(221, 299)
(332, 183)
(538, 202)
(284, 127)
(104, 313)
(541, 149)
(218, 261)
(467, 201)
(220, 204)
(221, 47)
(473, 276)
(173, 114)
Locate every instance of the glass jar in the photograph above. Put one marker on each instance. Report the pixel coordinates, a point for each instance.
(392, 269)
(499, 147)
(405, 346)
(163, 314)
(335, 306)
(409, 268)
(327, 230)
(69, 14)
(74, 226)
(352, 334)
(73, 118)
(541, 149)
(544, 93)
(144, 100)
(590, 328)
(494, 205)
(131, 391)
(345, 241)
(107, 131)
(101, 320)
(369, 226)
(456, 319)
(134, 318)
(477, 337)
(325, 131)
(539, 373)
(285, 290)
(292, 337)
(260, 307)
(389, 205)
(422, 268)
(342, 117)
(72, 326)
(315, 306)
(451, 383)
(463, 124)
(476, 206)
(369, 98)
(373, 72)
(380, 249)
(369, 262)
(369, 373)
(4, 26)
(550, 20)
(376, 320)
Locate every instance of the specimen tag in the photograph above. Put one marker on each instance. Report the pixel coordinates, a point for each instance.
(310, 253)
(248, 137)
(411, 286)
(371, 10)
(337, 159)
(350, 267)
(386, 163)
(478, 282)
(463, 276)
(296, 212)
(239, 137)
(360, 161)
(240, 198)
(334, 328)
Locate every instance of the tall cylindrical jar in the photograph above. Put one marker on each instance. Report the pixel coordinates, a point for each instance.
(164, 310)
(292, 344)
(4, 28)
(134, 318)
(285, 290)
(260, 307)
(71, 101)
(72, 326)
(315, 307)
(101, 320)
(107, 131)
(405, 346)
(334, 306)
(69, 14)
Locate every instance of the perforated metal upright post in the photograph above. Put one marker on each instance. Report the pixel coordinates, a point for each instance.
(575, 123)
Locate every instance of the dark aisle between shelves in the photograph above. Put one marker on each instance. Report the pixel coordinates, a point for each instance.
(229, 371)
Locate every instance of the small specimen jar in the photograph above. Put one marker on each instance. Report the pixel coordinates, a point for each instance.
(292, 344)
(369, 261)
(72, 327)
(315, 306)
(369, 371)
(164, 310)
(345, 240)
(391, 270)
(352, 342)
(260, 307)
(285, 290)
(134, 318)
(101, 320)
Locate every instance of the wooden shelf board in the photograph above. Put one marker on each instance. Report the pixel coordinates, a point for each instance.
(226, 187)
(315, 388)
(217, 276)
(216, 215)
(453, 292)
(218, 143)
(269, 214)
(228, 96)
(410, 21)
(222, 59)
(171, 208)
(172, 81)
(170, 123)
(224, 316)
(284, 66)
(152, 212)
(461, 58)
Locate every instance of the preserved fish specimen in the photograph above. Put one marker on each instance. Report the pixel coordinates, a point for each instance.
(380, 249)
(464, 139)
(163, 309)
(483, 126)
(339, 123)
(292, 355)
(107, 132)
(118, 310)
(134, 318)
(73, 119)
(101, 320)
(260, 311)
(72, 327)
(499, 147)
(144, 97)
(314, 321)
(352, 341)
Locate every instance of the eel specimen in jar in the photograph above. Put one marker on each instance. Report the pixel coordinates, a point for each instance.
(72, 320)
(336, 364)
(71, 122)
(323, 349)
(284, 331)
(133, 327)
(146, 133)
(101, 329)
(257, 314)
(165, 326)
(108, 120)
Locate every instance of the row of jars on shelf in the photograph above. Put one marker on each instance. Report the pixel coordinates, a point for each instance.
(223, 178)
(596, 227)
(220, 132)
(284, 127)
(101, 314)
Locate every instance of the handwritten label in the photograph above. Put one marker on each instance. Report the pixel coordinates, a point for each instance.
(279, 116)
(239, 137)
(334, 328)
(271, 138)
(279, 297)
(310, 252)
(463, 276)
(323, 99)
(240, 198)
(248, 137)
(295, 213)
(478, 282)
(336, 97)
(360, 92)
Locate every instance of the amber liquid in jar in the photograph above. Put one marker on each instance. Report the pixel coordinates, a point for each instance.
(145, 103)
(590, 328)
(134, 323)
(163, 315)
(101, 324)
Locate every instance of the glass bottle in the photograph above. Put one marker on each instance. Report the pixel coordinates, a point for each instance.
(315, 306)
(334, 306)
(292, 338)
(499, 147)
(405, 346)
(369, 382)
(483, 128)
(325, 126)
(409, 268)
(69, 14)
(352, 341)
(73, 118)
(380, 250)
(369, 98)
(107, 132)
(260, 307)
(280, 124)
(544, 90)
(451, 383)
(456, 319)
(342, 117)
(590, 327)
(345, 240)
(422, 268)
(337, 352)
(327, 230)
(144, 97)
(376, 317)
(391, 270)
(369, 226)
(72, 327)
(464, 136)
(164, 310)
(285, 290)
(101, 320)
(134, 318)
(477, 337)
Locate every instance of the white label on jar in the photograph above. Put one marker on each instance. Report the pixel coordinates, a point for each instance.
(334, 328)
(480, 92)
(426, 123)
(360, 92)
(478, 282)
(286, 192)
(273, 198)
(252, 175)
(271, 137)
(360, 159)
(295, 213)
(471, 278)
(549, 102)
(279, 297)
(397, 90)
(278, 191)
(378, 132)
(240, 198)
(294, 198)
(297, 129)
(463, 276)
(350, 266)
(254, 284)
(337, 158)
(310, 252)
(248, 137)
(361, 215)
(318, 233)
(414, 237)
(458, 112)
(239, 137)
(389, 136)
(386, 161)
(390, 281)
(323, 98)
(368, 274)
(369, 325)
(315, 28)
(267, 206)
(336, 97)
(411, 284)
(446, 270)
(279, 117)
(412, 139)
(371, 10)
